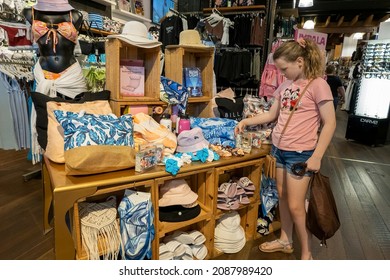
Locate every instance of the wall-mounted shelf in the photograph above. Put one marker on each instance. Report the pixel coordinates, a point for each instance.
(124, 16)
(105, 2)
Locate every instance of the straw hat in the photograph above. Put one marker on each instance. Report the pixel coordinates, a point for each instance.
(190, 38)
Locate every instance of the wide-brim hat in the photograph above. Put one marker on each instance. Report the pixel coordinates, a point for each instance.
(136, 33)
(176, 192)
(190, 38)
(178, 213)
(191, 140)
(53, 6)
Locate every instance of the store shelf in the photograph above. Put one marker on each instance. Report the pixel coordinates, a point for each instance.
(124, 16)
(167, 227)
(105, 2)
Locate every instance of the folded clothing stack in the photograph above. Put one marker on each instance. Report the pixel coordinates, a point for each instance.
(183, 246)
(95, 20)
(229, 236)
(234, 193)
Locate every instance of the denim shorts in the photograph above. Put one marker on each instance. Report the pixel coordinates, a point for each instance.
(286, 159)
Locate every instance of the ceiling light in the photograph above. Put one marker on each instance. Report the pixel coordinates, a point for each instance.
(305, 3)
(309, 24)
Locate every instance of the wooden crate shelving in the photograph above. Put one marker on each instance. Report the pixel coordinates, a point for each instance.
(118, 50)
(202, 184)
(178, 57)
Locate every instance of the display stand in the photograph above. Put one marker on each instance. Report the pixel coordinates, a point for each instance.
(370, 123)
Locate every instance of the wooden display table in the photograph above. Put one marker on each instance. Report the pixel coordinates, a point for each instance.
(62, 191)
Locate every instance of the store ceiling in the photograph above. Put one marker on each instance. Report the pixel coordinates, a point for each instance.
(342, 17)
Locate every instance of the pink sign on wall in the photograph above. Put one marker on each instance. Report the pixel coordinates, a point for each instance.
(319, 38)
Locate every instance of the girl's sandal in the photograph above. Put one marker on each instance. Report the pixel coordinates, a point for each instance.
(276, 246)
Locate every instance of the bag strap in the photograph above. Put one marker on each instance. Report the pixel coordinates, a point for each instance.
(293, 110)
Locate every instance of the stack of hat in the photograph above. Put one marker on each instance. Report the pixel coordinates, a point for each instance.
(183, 245)
(229, 236)
(177, 202)
(233, 194)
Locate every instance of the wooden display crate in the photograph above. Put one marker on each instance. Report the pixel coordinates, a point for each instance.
(179, 57)
(100, 195)
(202, 184)
(119, 50)
(118, 107)
(248, 213)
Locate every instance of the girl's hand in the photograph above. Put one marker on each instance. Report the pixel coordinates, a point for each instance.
(239, 127)
(313, 164)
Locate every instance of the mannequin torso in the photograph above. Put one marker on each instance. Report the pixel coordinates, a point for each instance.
(58, 57)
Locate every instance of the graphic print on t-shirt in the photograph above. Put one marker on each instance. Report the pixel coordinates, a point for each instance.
(290, 98)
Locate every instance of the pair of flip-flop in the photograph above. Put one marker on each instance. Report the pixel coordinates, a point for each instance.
(231, 195)
(183, 246)
(193, 237)
(174, 250)
(247, 185)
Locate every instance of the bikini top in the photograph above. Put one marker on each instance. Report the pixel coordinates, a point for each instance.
(66, 29)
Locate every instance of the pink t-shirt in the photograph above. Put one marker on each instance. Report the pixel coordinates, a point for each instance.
(301, 132)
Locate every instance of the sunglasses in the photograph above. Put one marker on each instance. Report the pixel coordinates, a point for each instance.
(299, 168)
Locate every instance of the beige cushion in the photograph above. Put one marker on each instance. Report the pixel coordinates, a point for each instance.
(55, 133)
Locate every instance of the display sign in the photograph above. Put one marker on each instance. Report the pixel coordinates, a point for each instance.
(319, 38)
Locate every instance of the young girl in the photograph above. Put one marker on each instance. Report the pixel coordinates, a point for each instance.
(300, 62)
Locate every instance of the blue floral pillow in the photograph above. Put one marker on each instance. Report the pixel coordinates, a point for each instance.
(82, 129)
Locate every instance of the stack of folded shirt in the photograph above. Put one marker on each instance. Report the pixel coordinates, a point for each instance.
(229, 234)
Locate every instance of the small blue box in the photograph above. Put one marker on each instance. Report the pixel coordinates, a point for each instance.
(192, 80)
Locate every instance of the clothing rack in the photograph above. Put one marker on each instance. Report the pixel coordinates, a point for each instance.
(12, 61)
(236, 10)
(177, 13)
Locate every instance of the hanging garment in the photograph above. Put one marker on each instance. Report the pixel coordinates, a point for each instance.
(136, 216)
(99, 220)
(7, 135)
(70, 83)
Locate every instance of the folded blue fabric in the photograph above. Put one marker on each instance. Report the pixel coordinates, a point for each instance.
(216, 130)
(174, 94)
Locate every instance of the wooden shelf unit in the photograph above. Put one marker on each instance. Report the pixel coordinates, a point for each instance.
(177, 58)
(202, 183)
(118, 50)
(118, 191)
(249, 212)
